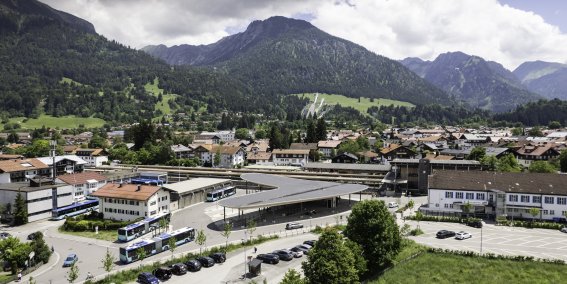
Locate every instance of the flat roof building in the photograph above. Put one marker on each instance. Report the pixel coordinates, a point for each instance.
(189, 192)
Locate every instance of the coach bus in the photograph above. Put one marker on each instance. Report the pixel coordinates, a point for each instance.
(143, 227)
(75, 209)
(221, 193)
(156, 245)
(147, 181)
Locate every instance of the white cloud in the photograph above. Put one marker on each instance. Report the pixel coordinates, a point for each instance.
(393, 28)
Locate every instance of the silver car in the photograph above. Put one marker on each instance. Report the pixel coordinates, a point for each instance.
(297, 253)
(463, 235)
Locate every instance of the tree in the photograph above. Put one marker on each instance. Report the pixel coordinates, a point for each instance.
(292, 277)
(467, 208)
(13, 251)
(251, 227)
(371, 225)
(162, 224)
(411, 204)
(73, 273)
(260, 134)
(141, 254)
(217, 157)
(517, 131)
(172, 246)
(534, 212)
(535, 131)
(201, 240)
(489, 162)
(330, 261)
(477, 154)
(311, 134)
(40, 248)
(541, 167)
(554, 124)
(20, 210)
(321, 130)
(242, 133)
(227, 229)
(359, 260)
(563, 160)
(508, 163)
(108, 261)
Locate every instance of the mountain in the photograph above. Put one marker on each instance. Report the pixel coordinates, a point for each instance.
(55, 63)
(478, 82)
(284, 56)
(548, 79)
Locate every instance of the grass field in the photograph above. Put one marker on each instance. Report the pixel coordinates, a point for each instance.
(69, 121)
(111, 235)
(448, 268)
(154, 89)
(361, 106)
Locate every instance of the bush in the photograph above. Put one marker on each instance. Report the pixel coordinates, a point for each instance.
(436, 218)
(519, 258)
(89, 222)
(416, 232)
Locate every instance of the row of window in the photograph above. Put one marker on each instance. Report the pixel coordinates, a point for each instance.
(537, 199)
(122, 211)
(462, 195)
(163, 198)
(122, 201)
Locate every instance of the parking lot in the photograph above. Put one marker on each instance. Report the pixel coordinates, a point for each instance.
(539, 243)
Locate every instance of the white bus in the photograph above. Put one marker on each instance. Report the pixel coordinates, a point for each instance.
(156, 245)
(221, 193)
(140, 228)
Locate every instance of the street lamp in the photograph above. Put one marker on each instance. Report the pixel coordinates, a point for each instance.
(481, 237)
(245, 258)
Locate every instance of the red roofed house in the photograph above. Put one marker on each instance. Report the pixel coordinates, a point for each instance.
(20, 170)
(83, 183)
(129, 202)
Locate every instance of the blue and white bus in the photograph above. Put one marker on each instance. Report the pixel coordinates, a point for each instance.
(156, 245)
(74, 209)
(140, 228)
(221, 193)
(147, 181)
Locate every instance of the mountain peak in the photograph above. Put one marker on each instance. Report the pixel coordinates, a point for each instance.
(275, 26)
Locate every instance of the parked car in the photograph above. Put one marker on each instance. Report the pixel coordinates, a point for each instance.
(283, 255)
(269, 258)
(219, 257)
(310, 242)
(296, 254)
(147, 278)
(475, 224)
(178, 268)
(193, 265)
(297, 251)
(71, 258)
(34, 235)
(463, 235)
(4, 235)
(392, 205)
(291, 226)
(443, 234)
(206, 261)
(163, 273)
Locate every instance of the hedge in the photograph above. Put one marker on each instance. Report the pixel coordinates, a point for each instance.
(82, 224)
(519, 258)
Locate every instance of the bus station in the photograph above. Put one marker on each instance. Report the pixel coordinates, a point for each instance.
(193, 191)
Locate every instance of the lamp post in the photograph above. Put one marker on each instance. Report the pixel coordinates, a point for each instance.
(245, 258)
(481, 238)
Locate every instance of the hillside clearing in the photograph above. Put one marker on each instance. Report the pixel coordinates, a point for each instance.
(361, 106)
(69, 121)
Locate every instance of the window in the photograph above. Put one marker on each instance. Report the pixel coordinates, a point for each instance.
(545, 212)
(459, 195)
(536, 199)
(470, 195)
(551, 212)
(448, 205)
(525, 198)
(480, 196)
(449, 194)
(153, 203)
(561, 200)
(548, 200)
(513, 198)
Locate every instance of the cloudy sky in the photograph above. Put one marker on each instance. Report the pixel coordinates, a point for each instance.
(507, 31)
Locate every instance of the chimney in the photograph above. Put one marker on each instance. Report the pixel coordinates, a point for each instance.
(119, 185)
(139, 187)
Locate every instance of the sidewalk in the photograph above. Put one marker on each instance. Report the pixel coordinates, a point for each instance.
(53, 260)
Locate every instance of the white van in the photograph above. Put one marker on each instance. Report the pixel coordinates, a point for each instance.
(392, 204)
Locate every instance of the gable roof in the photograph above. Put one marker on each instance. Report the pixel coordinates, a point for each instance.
(17, 165)
(81, 178)
(329, 144)
(127, 191)
(304, 146)
(49, 160)
(290, 151)
(535, 150)
(258, 156)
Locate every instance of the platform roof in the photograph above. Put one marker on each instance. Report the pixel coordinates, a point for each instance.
(346, 166)
(194, 184)
(288, 191)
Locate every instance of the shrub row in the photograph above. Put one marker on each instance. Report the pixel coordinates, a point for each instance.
(450, 219)
(531, 224)
(74, 225)
(519, 258)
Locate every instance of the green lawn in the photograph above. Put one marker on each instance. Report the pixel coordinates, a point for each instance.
(361, 106)
(154, 89)
(111, 235)
(69, 121)
(448, 268)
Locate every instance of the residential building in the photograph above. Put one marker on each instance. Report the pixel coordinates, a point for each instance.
(345, 158)
(66, 164)
(290, 157)
(396, 151)
(83, 183)
(329, 147)
(182, 152)
(41, 196)
(128, 202)
(93, 157)
(494, 194)
(230, 157)
(20, 170)
(223, 135)
(535, 152)
(259, 158)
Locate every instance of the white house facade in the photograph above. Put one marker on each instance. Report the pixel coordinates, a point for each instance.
(129, 202)
(83, 183)
(290, 157)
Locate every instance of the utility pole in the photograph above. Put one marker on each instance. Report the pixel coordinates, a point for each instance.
(53, 144)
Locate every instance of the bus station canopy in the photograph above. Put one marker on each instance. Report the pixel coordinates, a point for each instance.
(288, 191)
